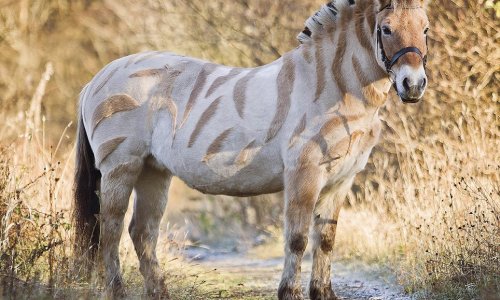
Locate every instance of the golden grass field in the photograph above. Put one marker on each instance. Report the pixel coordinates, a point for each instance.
(427, 207)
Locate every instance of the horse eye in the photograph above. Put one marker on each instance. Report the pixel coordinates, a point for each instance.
(426, 30)
(386, 30)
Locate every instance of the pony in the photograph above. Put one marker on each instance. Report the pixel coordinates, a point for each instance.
(304, 124)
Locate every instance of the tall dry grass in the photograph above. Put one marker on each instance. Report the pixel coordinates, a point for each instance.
(428, 204)
(35, 181)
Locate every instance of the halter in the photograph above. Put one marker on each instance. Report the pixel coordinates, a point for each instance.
(389, 63)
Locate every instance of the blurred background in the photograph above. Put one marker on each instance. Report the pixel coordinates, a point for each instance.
(428, 205)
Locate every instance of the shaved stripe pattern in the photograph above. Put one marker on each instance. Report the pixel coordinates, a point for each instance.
(370, 94)
(216, 146)
(169, 102)
(338, 121)
(286, 80)
(298, 131)
(359, 18)
(320, 139)
(222, 80)
(306, 53)
(342, 148)
(359, 72)
(370, 15)
(339, 55)
(204, 119)
(242, 157)
(148, 73)
(111, 106)
(320, 73)
(108, 147)
(206, 70)
(105, 81)
(240, 89)
(163, 97)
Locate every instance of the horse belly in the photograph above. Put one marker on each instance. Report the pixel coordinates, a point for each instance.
(221, 175)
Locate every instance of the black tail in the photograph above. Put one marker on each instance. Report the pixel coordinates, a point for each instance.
(86, 204)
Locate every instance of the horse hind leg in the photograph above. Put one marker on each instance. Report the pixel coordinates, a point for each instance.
(116, 186)
(151, 192)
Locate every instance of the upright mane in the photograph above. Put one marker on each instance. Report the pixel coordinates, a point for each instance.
(325, 17)
(328, 15)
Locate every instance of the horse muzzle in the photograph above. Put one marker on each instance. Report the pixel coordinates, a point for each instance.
(411, 89)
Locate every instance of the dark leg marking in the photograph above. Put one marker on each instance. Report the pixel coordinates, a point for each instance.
(298, 243)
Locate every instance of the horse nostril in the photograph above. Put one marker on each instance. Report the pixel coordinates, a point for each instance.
(406, 84)
(424, 83)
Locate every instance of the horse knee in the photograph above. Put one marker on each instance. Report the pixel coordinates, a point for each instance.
(298, 243)
(326, 242)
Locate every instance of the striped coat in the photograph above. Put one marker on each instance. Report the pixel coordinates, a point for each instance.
(305, 124)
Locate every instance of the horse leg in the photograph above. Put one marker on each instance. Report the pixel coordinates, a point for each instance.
(116, 187)
(302, 188)
(151, 192)
(325, 225)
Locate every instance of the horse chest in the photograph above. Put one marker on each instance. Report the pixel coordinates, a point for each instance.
(349, 156)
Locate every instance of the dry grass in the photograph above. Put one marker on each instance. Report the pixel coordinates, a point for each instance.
(436, 176)
(428, 205)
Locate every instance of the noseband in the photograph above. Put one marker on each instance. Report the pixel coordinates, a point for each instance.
(389, 63)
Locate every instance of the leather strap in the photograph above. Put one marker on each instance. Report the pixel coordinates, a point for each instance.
(389, 63)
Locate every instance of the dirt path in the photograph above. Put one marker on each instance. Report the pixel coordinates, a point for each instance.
(242, 277)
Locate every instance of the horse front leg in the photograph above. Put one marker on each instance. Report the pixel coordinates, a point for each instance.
(325, 226)
(302, 188)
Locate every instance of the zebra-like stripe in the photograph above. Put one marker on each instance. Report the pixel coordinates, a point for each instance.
(240, 90)
(222, 80)
(206, 70)
(298, 131)
(111, 106)
(207, 115)
(285, 84)
(105, 81)
(320, 73)
(108, 147)
(216, 146)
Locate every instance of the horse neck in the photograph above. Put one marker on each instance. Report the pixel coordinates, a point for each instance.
(344, 60)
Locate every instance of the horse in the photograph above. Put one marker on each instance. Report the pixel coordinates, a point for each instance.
(304, 124)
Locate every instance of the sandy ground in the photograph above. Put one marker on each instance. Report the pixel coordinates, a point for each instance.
(245, 277)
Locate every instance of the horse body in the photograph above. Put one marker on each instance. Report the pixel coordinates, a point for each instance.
(305, 124)
(248, 164)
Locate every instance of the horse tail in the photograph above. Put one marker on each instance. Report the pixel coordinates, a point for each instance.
(86, 199)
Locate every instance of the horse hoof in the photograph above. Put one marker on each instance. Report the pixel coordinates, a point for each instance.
(115, 290)
(319, 291)
(290, 293)
(158, 292)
